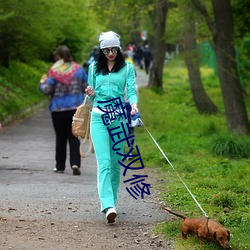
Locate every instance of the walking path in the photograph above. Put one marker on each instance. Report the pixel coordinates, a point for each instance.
(40, 209)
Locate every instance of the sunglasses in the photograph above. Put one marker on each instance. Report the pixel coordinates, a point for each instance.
(106, 51)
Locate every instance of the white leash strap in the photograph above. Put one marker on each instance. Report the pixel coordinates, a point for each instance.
(174, 170)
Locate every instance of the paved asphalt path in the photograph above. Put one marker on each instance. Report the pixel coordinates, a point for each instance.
(28, 182)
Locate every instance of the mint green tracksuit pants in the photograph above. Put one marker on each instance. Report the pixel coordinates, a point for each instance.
(108, 168)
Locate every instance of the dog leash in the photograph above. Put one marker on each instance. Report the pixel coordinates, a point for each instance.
(174, 170)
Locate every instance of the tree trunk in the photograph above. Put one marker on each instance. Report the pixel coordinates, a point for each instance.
(235, 109)
(223, 38)
(201, 99)
(159, 47)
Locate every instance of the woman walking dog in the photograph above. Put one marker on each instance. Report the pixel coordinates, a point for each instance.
(108, 78)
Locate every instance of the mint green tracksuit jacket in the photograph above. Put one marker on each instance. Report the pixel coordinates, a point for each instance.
(108, 87)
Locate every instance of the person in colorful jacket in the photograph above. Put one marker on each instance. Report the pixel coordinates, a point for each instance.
(65, 83)
(108, 77)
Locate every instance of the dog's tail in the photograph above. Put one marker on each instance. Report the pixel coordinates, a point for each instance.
(175, 213)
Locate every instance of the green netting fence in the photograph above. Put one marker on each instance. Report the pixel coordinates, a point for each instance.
(208, 58)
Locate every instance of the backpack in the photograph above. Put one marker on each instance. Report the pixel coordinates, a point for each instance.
(81, 126)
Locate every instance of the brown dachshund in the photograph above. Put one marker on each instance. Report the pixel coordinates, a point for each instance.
(204, 229)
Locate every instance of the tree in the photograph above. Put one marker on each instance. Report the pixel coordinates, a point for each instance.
(223, 38)
(242, 33)
(128, 18)
(28, 33)
(159, 46)
(201, 99)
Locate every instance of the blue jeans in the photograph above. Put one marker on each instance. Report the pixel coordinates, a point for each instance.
(108, 168)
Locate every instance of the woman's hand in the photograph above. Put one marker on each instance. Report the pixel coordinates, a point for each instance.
(134, 109)
(90, 91)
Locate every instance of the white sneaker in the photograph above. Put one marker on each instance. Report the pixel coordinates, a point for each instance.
(58, 171)
(111, 214)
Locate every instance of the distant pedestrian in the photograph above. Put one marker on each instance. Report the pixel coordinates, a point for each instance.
(65, 84)
(93, 55)
(107, 81)
(138, 55)
(147, 54)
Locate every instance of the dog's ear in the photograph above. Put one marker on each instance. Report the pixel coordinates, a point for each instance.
(214, 235)
(228, 237)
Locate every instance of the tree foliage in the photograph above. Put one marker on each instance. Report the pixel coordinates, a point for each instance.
(241, 18)
(126, 17)
(28, 33)
(242, 35)
(175, 25)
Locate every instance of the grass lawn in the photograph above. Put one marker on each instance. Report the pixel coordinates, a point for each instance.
(214, 164)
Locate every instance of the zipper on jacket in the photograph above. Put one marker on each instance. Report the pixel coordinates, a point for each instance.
(109, 88)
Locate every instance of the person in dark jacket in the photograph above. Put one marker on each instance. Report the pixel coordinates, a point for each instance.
(147, 54)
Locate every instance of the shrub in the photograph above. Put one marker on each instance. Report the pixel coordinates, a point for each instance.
(223, 200)
(231, 146)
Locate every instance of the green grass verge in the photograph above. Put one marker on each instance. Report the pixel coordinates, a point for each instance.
(214, 164)
(19, 88)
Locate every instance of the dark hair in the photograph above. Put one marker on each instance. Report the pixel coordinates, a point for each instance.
(64, 53)
(102, 67)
